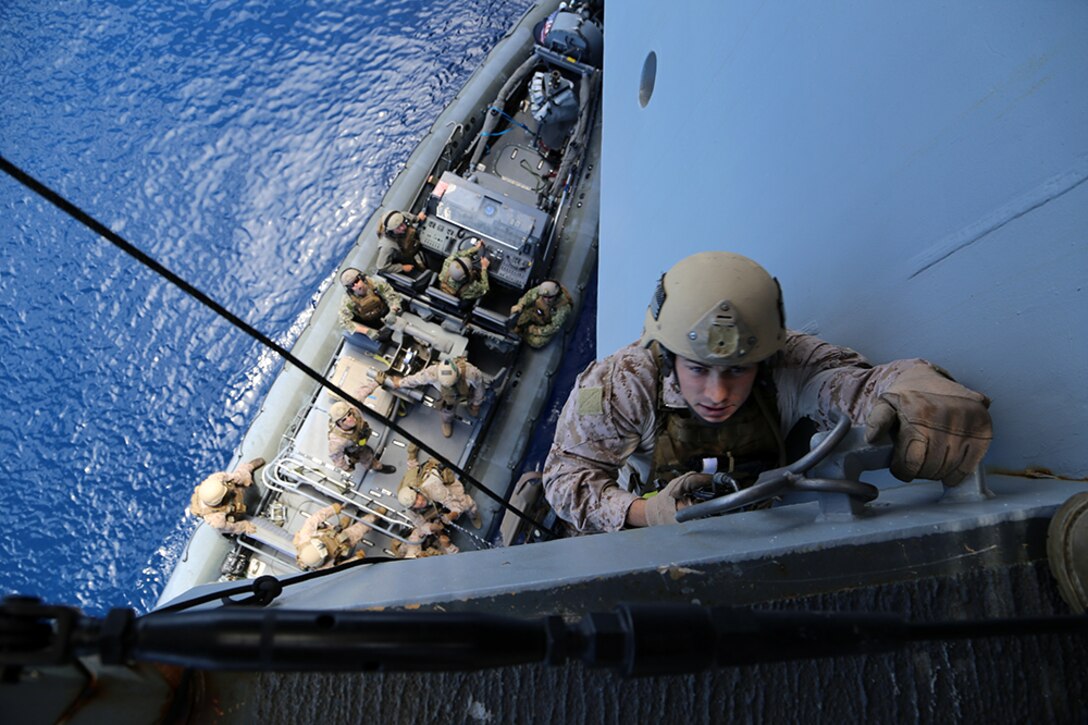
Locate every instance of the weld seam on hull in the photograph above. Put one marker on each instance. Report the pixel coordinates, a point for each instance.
(1049, 190)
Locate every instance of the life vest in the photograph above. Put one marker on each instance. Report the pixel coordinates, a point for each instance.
(746, 444)
(370, 308)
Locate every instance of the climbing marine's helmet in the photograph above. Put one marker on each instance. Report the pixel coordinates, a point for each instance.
(717, 308)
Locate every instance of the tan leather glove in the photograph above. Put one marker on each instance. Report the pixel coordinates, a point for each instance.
(661, 509)
(939, 428)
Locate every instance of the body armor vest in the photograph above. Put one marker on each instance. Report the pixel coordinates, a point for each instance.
(748, 443)
(431, 465)
(334, 540)
(447, 285)
(369, 309)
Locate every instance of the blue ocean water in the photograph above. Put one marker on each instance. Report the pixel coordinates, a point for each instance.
(242, 143)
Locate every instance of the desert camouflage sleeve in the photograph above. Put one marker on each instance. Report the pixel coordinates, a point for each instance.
(478, 382)
(814, 378)
(426, 376)
(608, 417)
(312, 522)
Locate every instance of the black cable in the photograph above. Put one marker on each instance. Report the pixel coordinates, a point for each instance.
(124, 245)
(265, 588)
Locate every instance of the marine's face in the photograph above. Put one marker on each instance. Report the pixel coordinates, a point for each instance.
(359, 287)
(714, 392)
(347, 422)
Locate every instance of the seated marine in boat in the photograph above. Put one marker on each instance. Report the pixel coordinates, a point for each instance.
(328, 539)
(459, 276)
(348, 435)
(429, 538)
(717, 376)
(541, 313)
(220, 499)
(399, 248)
(369, 307)
(432, 483)
(457, 381)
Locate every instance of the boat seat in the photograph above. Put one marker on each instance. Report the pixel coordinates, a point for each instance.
(360, 341)
(448, 302)
(272, 536)
(412, 283)
(492, 320)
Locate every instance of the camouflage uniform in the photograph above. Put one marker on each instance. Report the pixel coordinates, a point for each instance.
(423, 530)
(622, 406)
(394, 252)
(370, 309)
(347, 448)
(541, 317)
(471, 381)
(339, 537)
(438, 484)
(473, 286)
(227, 515)
(442, 487)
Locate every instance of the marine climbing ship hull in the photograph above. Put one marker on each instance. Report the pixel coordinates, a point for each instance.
(969, 139)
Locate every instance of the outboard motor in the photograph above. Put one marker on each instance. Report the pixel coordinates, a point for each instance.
(572, 33)
(554, 105)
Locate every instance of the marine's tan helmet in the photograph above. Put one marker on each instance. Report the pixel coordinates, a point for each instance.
(339, 410)
(394, 220)
(448, 374)
(549, 288)
(212, 490)
(717, 308)
(313, 553)
(406, 495)
(349, 275)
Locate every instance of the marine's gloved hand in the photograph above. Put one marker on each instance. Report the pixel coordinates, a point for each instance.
(661, 509)
(385, 335)
(939, 428)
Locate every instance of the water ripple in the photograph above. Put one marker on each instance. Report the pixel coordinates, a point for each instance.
(243, 143)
